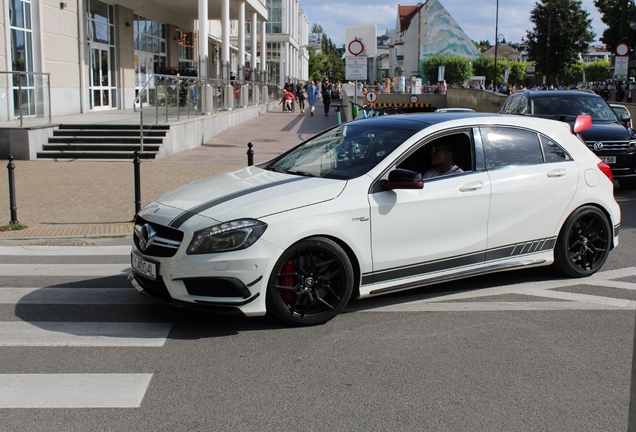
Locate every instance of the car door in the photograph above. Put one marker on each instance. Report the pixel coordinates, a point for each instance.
(439, 227)
(533, 181)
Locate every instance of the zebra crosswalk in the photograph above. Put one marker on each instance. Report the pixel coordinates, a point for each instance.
(69, 302)
(22, 327)
(563, 294)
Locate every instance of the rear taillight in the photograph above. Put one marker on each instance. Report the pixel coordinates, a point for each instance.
(606, 170)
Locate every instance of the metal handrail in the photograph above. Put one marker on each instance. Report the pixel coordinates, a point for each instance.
(152, 80)
(48, 86)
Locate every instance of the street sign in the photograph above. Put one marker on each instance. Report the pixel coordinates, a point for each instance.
(414, 99)
(367, 35)
(355, 47)
(356, 68)
(622, 49)
(621, 64)
(530, 71)
(371, 96)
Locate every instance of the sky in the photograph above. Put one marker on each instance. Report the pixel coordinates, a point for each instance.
(477, 20)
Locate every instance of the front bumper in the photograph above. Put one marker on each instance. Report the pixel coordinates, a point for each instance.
(222, 282)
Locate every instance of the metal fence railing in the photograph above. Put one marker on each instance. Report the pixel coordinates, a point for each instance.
(25, 95)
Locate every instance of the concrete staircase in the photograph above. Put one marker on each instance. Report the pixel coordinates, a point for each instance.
(102, 141)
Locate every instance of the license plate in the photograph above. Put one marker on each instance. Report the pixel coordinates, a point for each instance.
(146, 268)
(609, 159)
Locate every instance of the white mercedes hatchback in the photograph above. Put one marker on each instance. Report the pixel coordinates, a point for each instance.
(376, 206)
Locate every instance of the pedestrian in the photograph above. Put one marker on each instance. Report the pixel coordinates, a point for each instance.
(327, 89)
(300, 96)
(288, 97)
(312, 94)
(289, 86)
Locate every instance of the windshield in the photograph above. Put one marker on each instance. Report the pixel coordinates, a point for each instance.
(344, 152)
(572, 106)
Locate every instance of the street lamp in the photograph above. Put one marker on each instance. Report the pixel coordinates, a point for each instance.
(494, 81)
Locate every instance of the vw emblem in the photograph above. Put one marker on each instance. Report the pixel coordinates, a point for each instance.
(598, 145)
(146, 237)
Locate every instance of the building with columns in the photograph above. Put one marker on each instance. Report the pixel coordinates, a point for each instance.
(287, 33)
(98, 54)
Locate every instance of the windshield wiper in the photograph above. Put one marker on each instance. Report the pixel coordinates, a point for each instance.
(275, 169)
(302, 173)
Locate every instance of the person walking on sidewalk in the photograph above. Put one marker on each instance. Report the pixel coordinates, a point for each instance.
(327, 89)
(300, 96)
(312, 93)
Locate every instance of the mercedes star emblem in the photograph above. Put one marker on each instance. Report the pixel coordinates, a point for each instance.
(146, 237)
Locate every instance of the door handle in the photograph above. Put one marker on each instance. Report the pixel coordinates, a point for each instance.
(559, 172)
(472, 186)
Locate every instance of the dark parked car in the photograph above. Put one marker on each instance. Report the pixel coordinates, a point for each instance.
(609, 137)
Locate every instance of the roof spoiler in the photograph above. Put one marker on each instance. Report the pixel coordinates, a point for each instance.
(582, 123)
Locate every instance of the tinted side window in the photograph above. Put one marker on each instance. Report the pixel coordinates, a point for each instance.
(523, 105)
(511, 105)
(552, 151)
(508, 146)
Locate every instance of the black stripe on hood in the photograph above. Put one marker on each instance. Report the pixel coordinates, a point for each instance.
(180, 220)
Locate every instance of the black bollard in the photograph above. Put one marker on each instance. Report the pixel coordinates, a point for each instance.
(12, 204)
(136, 163)
(250, 155)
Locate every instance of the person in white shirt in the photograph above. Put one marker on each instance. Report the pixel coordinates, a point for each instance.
(443, 161)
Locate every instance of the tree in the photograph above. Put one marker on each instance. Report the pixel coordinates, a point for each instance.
(318, 65)
(597, 71)
(316, 29)
(457, 70)
(562, 30)
(483, 45)
(616, 15)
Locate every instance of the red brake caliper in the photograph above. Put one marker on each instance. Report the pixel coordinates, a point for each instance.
(288, 281)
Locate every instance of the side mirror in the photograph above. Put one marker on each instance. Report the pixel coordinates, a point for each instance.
(625, 119)
(404, 179)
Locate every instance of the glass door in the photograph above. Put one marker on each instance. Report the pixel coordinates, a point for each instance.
(100, 76)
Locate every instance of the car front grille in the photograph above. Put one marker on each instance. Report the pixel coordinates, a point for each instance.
(164, 243)
(609, 145)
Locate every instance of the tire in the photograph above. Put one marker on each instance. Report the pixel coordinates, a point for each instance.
(629, 184)
(584, 243)
(310, 283)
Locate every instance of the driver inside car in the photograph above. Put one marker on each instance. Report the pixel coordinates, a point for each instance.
(443, 160)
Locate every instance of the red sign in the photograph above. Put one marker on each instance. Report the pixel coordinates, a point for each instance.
(356, 47)
(622, 49)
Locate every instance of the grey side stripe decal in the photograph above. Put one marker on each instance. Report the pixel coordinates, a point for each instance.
(486, 256)
(179, 220)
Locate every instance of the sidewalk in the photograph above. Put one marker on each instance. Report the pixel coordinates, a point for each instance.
(97, 198)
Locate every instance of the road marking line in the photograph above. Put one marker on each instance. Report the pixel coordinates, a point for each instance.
(35, 250)
(571, 301)
(93, 296)
(583, 298)
(73, 390)
(492, 306)
(83, 334)
(64, 269)
(612, 284)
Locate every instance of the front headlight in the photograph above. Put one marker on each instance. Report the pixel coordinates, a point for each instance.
(228, 236)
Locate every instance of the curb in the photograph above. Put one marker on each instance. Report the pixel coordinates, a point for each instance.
(73, 231)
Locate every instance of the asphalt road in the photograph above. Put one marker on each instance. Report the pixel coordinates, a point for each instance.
(525, 350)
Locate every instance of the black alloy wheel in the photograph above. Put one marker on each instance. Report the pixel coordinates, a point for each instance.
(311, 283)
(584, 242)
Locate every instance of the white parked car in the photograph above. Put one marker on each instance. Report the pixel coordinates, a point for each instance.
(623, 114)
(348, 215)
